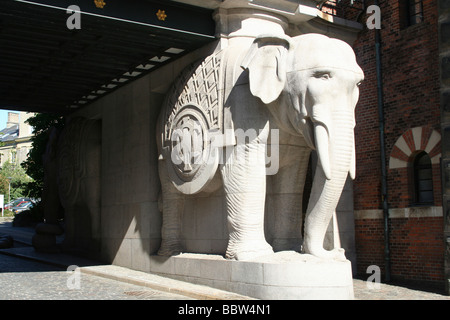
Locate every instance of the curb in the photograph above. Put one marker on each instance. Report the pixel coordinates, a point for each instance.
(160, 283)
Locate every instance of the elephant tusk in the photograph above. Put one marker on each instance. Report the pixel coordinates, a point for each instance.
(322, 146)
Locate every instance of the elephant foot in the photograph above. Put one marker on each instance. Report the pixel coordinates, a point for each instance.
(170, 248)
(337, 254)
(249, 250)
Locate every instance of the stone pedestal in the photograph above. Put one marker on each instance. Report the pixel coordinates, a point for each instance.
(284, 275)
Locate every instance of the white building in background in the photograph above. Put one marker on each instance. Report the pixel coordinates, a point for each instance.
(15, 138)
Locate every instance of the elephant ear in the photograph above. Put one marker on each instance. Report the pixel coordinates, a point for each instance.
(266, 62)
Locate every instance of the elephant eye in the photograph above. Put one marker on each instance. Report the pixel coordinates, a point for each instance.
(324, 75)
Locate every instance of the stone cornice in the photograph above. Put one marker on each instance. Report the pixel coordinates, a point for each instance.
(294, 16)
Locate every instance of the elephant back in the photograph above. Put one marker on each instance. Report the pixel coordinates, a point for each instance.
(191, 116)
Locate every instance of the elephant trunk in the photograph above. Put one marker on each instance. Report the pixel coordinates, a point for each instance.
(335, 148)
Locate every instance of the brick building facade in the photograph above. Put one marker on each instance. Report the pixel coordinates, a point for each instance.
(410, 86)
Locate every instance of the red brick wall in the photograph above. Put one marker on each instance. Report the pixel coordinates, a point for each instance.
(411, 97)
(410, 63)
(368, 169)
(369, 241)
(417, 247)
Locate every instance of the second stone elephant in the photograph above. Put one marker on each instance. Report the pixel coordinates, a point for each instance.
(78, 179)
(72, 164)
(289, 95)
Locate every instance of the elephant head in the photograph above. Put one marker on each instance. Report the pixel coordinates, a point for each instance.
(310, 85)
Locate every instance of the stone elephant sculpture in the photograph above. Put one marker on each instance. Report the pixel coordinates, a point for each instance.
(303, 90)
(72, 163)
(79, 185)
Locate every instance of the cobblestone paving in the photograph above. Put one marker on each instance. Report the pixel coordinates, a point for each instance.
(29, 280)
(391, 292)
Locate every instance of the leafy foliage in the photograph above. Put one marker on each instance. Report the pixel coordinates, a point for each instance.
(33, 166)
(16, 176)
(4, 186)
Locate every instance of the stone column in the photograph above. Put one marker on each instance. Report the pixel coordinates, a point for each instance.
(444, 65)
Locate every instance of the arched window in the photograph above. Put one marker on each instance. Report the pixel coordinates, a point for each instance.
(423, 179)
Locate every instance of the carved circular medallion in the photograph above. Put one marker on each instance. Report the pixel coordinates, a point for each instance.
(192, 161)
(191, 115)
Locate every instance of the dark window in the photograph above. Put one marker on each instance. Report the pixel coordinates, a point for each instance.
(423, 179)
(415, 12)
(411, 12)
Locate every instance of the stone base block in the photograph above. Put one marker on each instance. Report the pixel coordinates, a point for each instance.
(45, 243)
(283, 275)
(6, 241)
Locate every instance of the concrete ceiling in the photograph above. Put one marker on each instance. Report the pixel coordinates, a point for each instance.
(47, 67)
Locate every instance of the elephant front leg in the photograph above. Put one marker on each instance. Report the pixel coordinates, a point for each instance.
(244, 179)
(172, 213)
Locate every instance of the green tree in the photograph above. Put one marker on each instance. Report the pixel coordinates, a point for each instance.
(33, 166)
(17, 178)
(4, 187)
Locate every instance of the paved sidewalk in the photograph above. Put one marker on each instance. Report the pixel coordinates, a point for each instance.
(393, 292)
(27, 280)
(22, 236)
(125, 275)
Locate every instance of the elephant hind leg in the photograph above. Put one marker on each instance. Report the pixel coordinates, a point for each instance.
(172, 214)
(171, 227)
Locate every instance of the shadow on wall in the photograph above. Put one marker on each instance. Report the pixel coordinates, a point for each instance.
(131, 221)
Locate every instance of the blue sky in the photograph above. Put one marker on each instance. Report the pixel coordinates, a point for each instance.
(4, 117)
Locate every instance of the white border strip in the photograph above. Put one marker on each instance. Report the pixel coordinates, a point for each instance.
(411, 212)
